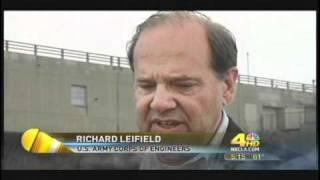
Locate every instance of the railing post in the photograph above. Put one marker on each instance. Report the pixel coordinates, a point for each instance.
(62, 54)
(313, 86)
(287, 84)
(7, 45)
(303, 88)
(255, 80)
(111, 61)
(87, 57)
(119, 62)
(35, 50)
(272, 83)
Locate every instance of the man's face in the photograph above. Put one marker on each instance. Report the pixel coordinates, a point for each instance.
(175, 88)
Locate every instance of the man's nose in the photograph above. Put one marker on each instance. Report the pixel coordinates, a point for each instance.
(162, 100)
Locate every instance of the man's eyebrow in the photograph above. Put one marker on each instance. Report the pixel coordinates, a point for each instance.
(145, 80)
(183, 78)
(168, 79)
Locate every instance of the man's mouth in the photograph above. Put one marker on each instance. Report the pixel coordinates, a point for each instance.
(167, 126)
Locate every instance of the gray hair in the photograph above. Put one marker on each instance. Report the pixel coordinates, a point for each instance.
(221, 40)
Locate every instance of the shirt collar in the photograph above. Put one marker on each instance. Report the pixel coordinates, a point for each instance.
(217, 139)
(221, 131)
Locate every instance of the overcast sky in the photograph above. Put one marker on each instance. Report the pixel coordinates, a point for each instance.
(281, 44)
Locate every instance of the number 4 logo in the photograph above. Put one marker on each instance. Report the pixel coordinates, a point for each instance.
(249, 140)
(239, 139)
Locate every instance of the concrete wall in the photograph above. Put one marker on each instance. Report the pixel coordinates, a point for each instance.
(252, 101)
(37, 94)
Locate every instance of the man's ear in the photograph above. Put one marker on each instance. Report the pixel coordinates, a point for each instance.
(230, 85)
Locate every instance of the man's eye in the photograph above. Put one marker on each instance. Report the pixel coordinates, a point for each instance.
(185, 86)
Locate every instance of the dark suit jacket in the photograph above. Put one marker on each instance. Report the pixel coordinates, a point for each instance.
(232, 130)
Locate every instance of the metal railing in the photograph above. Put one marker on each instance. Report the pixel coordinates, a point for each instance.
(122, 62)
(65, 54)
(275, 83)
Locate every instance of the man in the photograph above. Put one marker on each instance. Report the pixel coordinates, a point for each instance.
(185, 74)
